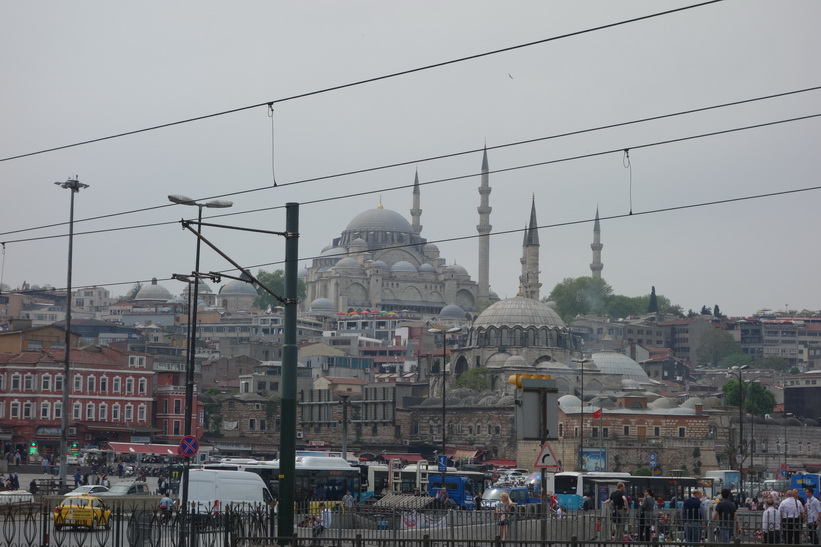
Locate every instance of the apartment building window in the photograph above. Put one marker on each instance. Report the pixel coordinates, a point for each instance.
(27, 410)
(90, 411)
(141, 413)
(129, 386)
(657, 431)
(176, 427)
(115, 412)
(78, 383)
(682, 432)
(177, 406)
(263, 424)
(28, 382)
(58, 383)
(104, 384)
(58, 410)
(605, 432)
(252, 424)
(15, 382)
(45, 382)
(45, 411)
(116, 384)
(129, 412)
(14, 410)
(103, 412)
(91, 384)
(77, 411)
(626, 431)
(142, 386)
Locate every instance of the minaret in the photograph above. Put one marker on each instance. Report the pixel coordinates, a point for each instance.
(596, 266)
(529, 279)
(416, 211)
(484, 229)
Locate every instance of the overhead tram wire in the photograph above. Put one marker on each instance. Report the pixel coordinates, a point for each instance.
(507, 232)
(269, 104)
(424, 160)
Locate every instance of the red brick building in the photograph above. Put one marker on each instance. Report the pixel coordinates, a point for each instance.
(110, 397)
(169, 395)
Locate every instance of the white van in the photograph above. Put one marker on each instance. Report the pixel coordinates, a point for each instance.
(214, 489)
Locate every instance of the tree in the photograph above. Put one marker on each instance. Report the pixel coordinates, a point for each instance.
(132, 293)
(716, 311)
(653, 306)
(706, 311)
(276, 282)
(580, 296)
(715, 344)
(758, 400)
(735, 360)
(477, 379)
(774, 363)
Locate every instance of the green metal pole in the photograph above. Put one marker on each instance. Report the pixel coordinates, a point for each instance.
(287, 441)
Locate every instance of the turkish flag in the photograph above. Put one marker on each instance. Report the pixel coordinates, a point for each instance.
(597, 414)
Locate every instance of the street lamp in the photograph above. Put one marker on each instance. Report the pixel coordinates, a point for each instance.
(581, 414)
(192, 338)
(787, 416)
(738, 371)
(444, 332)
(75, 186)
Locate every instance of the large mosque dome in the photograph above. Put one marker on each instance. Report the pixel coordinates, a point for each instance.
(153, 292)
(519, 311)
(379, 219)
(238, 288)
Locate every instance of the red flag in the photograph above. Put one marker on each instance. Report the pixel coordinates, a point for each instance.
(597, 414)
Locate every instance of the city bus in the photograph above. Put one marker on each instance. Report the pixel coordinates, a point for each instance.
(571, 487)
(462, 486)
(316, 478)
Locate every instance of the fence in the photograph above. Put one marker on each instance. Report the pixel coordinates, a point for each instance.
(29, 525)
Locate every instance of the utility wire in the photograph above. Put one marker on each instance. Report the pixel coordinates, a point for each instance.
(365, 81)
(506, 232)
(449, 179)
(430, 158)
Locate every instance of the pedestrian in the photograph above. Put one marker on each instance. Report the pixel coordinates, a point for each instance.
(45, 464)
(725, 516)
(323, 521)
(813, 512)
(33, 486)
(504, 513)
(77, 478)
(647, 515)
(120, 469)
(691, 514)
(771, 523)
(477, 502)
(442, 495)
(618, 511)
(792, 513)
(106, 482)
(15, 481)
(347, 501)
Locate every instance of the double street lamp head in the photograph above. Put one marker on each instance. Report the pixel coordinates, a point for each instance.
(213, 204)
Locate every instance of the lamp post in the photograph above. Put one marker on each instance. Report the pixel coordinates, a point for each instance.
(737, 372)
(75, 186)
(444, 332)
(344, 399)
(193, 296)
(787, 415)
(581, 413)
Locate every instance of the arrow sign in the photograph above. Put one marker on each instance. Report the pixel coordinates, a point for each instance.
(546, 458)
(189, 446)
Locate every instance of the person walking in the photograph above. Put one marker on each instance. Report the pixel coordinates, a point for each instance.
(504, 512)
(771, 523)
(347, 500)
(691, 515)
(323, 522)
(813, 512)
(792, 513)
(647, 515)
(618, 511)
(725, 516)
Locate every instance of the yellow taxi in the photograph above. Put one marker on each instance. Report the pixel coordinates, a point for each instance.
(87, 511)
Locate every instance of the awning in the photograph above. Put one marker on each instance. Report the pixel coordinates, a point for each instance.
(501, 463)
(144, 448)
(461, 454)
(406, 457)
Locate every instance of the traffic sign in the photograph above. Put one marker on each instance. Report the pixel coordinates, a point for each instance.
(546, 457)
(783, 473)
(652, 459)
(189, 445)
(443, 463)
(784, 467)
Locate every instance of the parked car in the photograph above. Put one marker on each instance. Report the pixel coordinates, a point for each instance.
(127, 488)
(518, 495)
(90, 489)
(86, 511)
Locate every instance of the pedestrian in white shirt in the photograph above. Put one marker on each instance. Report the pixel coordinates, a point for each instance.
(771, 523)
(792, 513)
(813, 509)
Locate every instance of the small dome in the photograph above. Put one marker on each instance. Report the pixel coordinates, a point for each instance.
(326, 248)
(324, 269)
(497, 360)
(692, 402)
(515, 361)
(348, 263)
(520, 311)
(456, 269)
(427, 268)
(153, 292)
(452, 311)
(333, 251)
(322, 305)
(663, 403)
(430, 250)
(238, 288)
(492, 295)
(379, 264)
(615, 363)
(569, 401)
(403, 266)
(359, 243)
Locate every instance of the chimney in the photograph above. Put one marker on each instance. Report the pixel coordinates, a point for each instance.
(699, 409)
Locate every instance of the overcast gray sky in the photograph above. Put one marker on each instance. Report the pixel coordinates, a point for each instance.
(75, 71)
